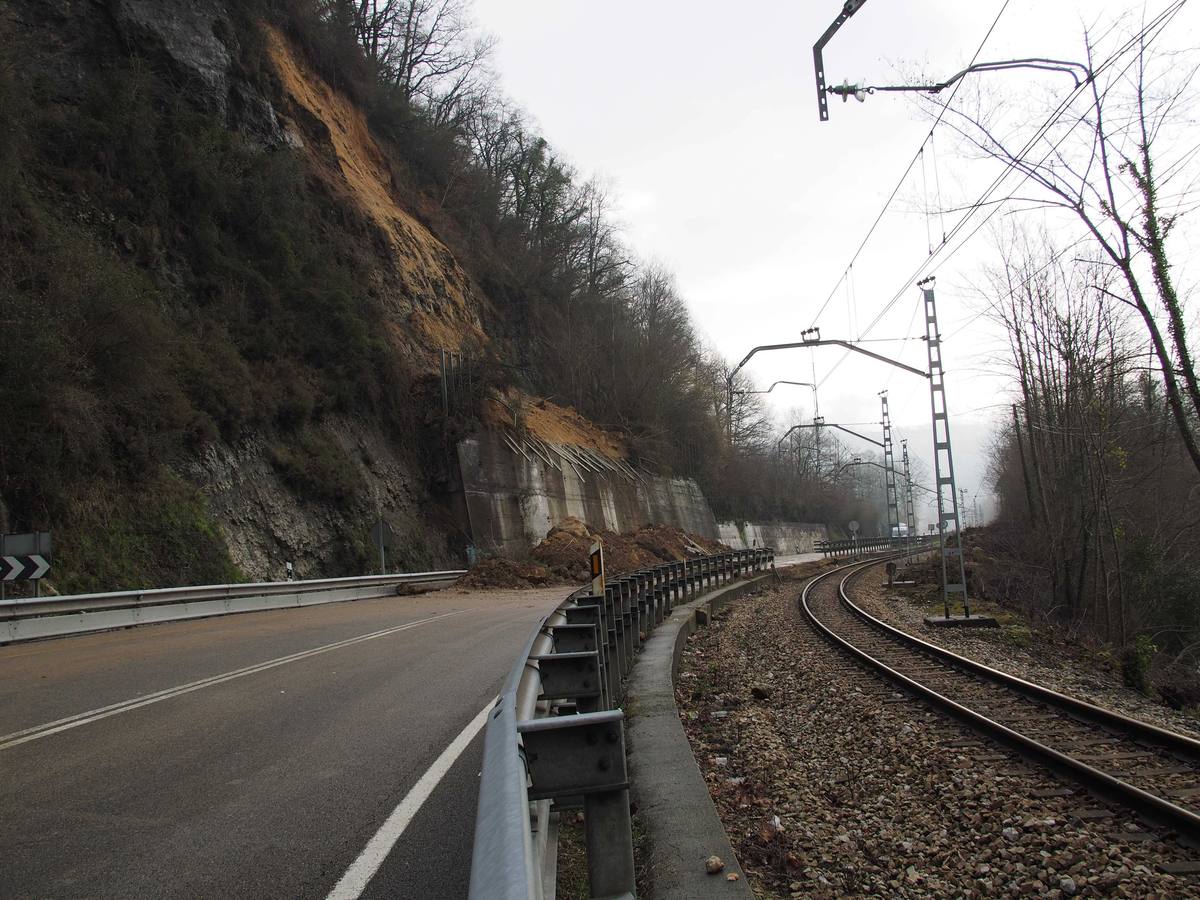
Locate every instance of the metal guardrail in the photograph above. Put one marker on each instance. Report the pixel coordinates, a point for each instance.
(839, 549)
(555, 739)
(27, 618)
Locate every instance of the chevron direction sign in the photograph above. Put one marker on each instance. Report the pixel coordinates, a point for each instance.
(24, 557)
(13, 568)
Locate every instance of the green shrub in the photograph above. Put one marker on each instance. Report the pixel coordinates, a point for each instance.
(1137, 660)
(155, 535)
(316, 468)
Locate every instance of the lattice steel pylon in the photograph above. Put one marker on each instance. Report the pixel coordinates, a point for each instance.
(954, 576)
(909, 513)
(889, 471)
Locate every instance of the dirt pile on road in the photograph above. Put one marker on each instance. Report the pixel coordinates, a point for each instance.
(566, 548)
(499, 572)
(563, 556)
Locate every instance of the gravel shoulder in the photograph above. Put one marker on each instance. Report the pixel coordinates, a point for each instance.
(831, 784)
(1038, 656)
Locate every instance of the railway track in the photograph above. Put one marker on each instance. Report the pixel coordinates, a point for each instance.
(1150, 771)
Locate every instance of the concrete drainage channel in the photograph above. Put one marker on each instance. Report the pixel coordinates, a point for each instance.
(668, 789)
(555, 740)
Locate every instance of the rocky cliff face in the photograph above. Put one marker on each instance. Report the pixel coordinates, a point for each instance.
(246, 76)
(430, 300)
(243, 391)
(267, 523)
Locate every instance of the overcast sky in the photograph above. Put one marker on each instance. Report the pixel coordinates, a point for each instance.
(702, 117)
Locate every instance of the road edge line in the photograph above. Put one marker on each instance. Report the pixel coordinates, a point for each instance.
(356, 878)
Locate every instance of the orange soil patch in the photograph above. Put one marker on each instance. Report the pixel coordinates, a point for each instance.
(553, 423)
(433, 285)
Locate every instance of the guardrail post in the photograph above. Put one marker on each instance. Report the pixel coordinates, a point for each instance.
(586, 614)
(638, 608)
(571, 676)
(645, 605)
(628, 589)
(661, 594)
(616, 632)
(585, 754)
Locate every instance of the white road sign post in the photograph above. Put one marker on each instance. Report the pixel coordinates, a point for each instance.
(596, 560)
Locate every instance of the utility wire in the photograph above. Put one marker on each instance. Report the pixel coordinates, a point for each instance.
(908, 169)
(1162, 19)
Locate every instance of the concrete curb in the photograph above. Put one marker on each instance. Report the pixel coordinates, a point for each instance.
(667, 788)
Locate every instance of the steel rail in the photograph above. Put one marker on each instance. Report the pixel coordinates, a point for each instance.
(1154, 808)
(1096, 715)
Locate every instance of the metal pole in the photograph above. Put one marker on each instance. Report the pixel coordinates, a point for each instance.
(729, 410)
(889, 471)
(445, 393)
(910, 517)
(943, 460)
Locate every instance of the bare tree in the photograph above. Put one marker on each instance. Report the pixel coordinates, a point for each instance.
(1104, 167)
(428, 50)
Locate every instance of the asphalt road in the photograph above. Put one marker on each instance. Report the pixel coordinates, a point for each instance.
(254, 755)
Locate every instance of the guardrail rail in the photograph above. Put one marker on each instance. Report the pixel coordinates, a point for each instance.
(28, 618)
(555, 740)
(852, 548)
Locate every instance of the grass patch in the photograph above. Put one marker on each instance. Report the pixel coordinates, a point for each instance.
(124, 540)
(572, 881)
(572, 858)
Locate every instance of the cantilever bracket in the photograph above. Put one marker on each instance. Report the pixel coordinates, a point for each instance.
(849, 8)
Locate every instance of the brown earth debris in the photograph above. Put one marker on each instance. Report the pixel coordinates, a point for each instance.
(563, 555)
(498, 572)
(565, 549)
(553, 423)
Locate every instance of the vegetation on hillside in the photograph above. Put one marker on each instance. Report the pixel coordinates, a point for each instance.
(583, 320)
(163, 286)
(165, 283)
(1098, 525)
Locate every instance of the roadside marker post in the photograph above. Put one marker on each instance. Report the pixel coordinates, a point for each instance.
(25, 557)
(596, 561)
(383, 538)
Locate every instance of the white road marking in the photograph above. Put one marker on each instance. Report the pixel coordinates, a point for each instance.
(363, 869)
(84, 718)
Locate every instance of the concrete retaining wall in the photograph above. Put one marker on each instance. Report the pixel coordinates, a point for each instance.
(514, 497)
(786, 538)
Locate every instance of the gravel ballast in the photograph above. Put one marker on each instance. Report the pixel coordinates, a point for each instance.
(1041, 657)
(830, 783)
